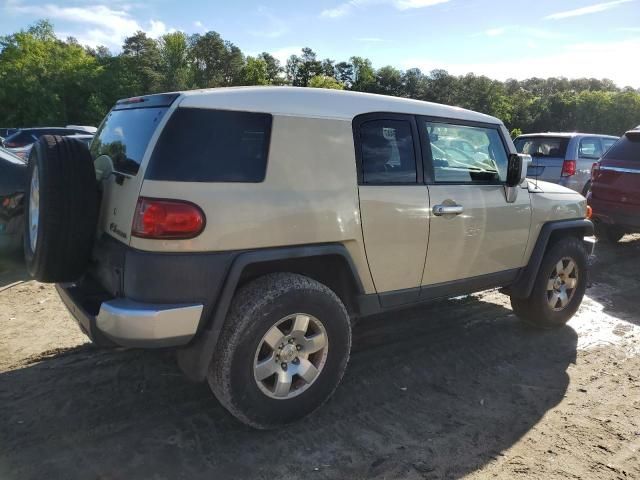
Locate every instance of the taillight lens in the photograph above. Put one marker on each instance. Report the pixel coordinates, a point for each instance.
(568, 168)
(167, 219)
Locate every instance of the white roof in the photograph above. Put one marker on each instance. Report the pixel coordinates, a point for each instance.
(319, 102)
(565, 134)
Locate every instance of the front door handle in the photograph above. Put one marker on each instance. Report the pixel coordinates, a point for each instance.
(439, 210)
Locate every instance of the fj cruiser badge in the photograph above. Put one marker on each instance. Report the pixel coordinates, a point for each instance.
(114, 228)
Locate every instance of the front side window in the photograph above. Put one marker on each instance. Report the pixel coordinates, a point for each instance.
(387, 152)
(590, 148)
(465, 154)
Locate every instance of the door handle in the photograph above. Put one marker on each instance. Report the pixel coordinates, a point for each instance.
(439, 210)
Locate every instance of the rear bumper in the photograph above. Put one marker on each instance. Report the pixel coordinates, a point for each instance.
(614, 213)
(128, 323)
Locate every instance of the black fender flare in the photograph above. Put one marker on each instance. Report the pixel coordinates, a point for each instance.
(523, 285)
(194, 359)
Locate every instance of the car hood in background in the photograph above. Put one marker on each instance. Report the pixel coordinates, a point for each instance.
(539, 186)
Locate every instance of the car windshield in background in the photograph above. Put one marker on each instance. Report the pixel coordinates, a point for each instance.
(124, 137)
(627, 148)
(542, 146)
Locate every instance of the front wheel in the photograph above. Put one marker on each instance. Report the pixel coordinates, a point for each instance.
(559, 286)
(282, 352)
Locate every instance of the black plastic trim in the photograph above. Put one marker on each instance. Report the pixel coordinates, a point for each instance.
(523, 285)
(194, 359)
(146, 101)
(427, 293)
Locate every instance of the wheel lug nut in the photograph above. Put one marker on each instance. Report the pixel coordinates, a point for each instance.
(291, 340)
(298, 347)
(281, 346)
(284, 366)
(296, 360)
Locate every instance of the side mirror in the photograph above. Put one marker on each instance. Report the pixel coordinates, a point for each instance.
(517, 169)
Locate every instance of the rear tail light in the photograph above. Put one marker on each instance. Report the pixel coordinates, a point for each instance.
(568, 168)
(167, 219)
(11, 145)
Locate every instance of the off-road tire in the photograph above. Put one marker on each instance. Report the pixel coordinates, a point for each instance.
(256, 307)
(608, 233)
(68, 209)
(535, 309)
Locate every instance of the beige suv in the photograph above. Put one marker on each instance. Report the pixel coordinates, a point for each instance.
(248, 227)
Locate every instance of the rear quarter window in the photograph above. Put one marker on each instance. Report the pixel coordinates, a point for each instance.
(203, 145)
(627, 149)
(542, 146)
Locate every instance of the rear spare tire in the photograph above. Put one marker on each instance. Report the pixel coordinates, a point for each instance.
(61, 209)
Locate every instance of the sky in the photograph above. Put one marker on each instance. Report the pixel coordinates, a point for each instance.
(500, 38)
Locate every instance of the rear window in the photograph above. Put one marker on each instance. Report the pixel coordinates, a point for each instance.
(627, 148)
(203, 145)
(542, 146)
(124, 136)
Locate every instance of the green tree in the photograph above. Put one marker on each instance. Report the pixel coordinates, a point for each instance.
(144, 60)
(255, 72)
(325, 81)
(44, 80)
(364, 76)
(174, 61)
(274, 70)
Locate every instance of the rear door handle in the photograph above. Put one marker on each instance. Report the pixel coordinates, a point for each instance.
(439, 210)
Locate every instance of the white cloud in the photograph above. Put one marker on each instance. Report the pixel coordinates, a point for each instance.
(494, 32)
(370, 39)
(275, 26)
(348, 7)
(523, 32)
(572, 61)
(284, 53)
(407, 4)
(102, 25)
(599, 7)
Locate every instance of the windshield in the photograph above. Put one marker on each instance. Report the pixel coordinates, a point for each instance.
(124, 136)
(542, 146)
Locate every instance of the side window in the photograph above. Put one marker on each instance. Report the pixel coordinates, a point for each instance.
(464, 154)
(387, 152)
(607, 143)
(590, 148)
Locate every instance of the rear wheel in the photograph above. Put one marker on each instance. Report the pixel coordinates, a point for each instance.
(282, 352)
(559, 286)
(61, 209)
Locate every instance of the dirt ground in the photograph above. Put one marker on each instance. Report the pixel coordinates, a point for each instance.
(457, 389)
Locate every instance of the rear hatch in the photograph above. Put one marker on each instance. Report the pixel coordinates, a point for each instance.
(548, 154)
(120, 152)
(618, 174)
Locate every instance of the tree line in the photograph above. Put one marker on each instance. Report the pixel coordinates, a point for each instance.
(45, 80)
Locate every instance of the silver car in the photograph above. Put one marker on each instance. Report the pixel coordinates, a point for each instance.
(564, 158)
